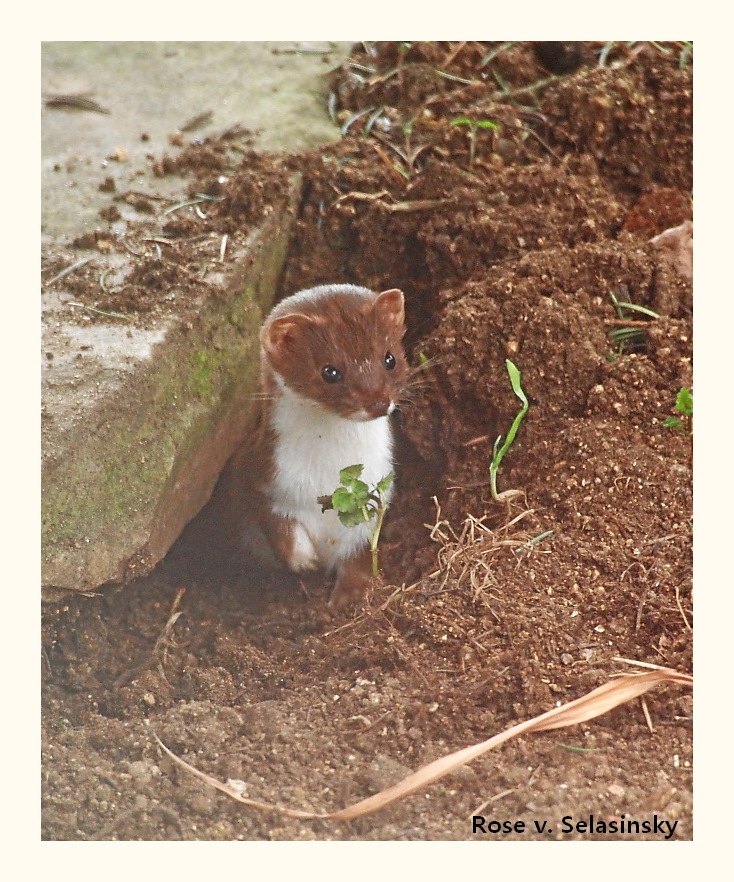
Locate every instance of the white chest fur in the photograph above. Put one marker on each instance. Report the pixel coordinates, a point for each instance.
(312, 445)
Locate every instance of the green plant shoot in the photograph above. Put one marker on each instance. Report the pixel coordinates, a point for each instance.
(357, 503)
(474, 125)
(684, 406)
(498, 453)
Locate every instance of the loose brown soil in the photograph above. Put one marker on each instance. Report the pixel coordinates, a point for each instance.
(510, 245)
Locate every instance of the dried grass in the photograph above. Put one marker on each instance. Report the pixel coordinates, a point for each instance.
(467, 556)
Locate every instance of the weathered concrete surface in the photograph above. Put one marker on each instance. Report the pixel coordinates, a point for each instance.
(152, 89)
(138, 421)
(137, 430)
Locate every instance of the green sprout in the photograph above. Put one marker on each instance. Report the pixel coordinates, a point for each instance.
(498, 453)
(573, 749)
(408, 153)
(629, 336)
(356, 503)
(474, 126)
(684, 406)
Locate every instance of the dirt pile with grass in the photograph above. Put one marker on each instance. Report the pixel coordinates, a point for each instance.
(529, 240)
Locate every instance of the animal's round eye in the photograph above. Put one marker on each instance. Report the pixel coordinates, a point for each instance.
(331, 374)
(390, 361)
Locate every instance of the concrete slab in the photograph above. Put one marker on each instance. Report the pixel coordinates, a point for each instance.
(152, 89)
(138, 419)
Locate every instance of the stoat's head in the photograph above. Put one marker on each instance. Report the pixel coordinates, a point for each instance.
(341, 346)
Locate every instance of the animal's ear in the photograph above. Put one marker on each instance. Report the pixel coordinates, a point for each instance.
(282, 335)
(390, 306)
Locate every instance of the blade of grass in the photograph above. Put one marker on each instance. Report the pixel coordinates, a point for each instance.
(499, 454)
(637, 308)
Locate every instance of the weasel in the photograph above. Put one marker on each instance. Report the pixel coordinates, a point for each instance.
(332, 369)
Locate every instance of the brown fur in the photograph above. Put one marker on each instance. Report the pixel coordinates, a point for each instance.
(341, 331)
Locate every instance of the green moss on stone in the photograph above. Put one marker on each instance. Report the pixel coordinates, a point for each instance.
(113, 480)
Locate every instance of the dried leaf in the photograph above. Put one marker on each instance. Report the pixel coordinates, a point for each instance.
(593, 704)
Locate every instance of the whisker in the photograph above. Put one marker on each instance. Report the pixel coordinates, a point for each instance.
(413, 397)
(426, 364)
(419, 377)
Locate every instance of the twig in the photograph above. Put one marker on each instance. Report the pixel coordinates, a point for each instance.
(160, 650)
(47, 660)
(415, 205)
(627, 323)
(386, 159)
(455, 79)
(304, 50)
(369, 197)
(680, 607)
(161, 241)
(646, 712)
(474, 441)
(533, 87)
(629, 661)
(197, 200)
(69, 269)
(374, 116)
(146, 195)
(368, 726)
(543, 143)
(353, 119)
(100, 311)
